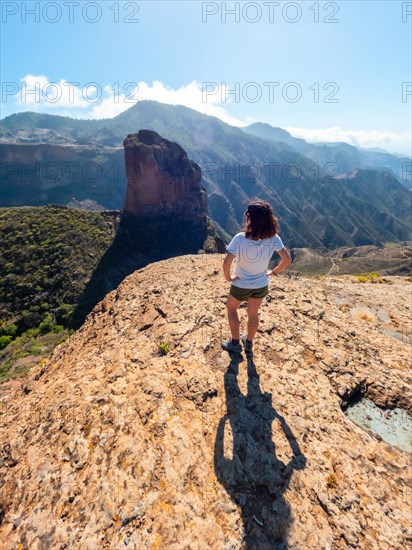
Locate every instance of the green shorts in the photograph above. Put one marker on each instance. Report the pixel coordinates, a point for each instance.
(242, 294)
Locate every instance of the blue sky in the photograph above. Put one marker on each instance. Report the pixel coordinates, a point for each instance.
(345, 80)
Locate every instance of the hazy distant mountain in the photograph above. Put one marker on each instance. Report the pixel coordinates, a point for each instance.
(315, 209)
(344, 157)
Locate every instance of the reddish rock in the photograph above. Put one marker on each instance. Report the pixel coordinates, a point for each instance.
(111, 441)
(161, 178)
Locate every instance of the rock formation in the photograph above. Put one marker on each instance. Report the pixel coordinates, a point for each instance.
(165, 215)
(161, 178)
(113, 444)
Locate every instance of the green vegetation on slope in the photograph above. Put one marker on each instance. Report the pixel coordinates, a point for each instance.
(48, 255)
(54, 260)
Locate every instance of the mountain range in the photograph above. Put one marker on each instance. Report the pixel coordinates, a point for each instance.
(326, 196)
(339, 158)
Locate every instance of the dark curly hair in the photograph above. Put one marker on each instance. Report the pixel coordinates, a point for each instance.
(260, 222)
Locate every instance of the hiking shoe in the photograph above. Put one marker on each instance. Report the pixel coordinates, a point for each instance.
(246, 345)
(228, 345)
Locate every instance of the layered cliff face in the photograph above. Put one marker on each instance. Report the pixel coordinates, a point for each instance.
(161, 178)
(36, 174)
(140, 432)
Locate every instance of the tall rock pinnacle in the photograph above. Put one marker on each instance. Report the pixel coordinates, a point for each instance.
(161, 178)
(165, 215)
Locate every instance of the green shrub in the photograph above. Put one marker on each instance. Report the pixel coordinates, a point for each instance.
(64, 312)
(164, 348)
(47, 325)
(32, 332)
(5, 341)
(331, 481)
(374, 277)
(371, 277)
(36, 348)
(10, 330)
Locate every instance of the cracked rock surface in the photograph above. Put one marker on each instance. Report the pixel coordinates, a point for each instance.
(141, 432)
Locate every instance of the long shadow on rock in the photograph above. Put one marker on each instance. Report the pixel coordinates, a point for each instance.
(254, 477)
(138, 242)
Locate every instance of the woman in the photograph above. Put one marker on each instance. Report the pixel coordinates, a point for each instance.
(252, 248)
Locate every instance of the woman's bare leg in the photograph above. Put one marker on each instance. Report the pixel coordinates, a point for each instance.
(232, 305)
(253, 305)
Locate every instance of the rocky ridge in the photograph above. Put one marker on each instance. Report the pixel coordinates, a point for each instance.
(112, 444)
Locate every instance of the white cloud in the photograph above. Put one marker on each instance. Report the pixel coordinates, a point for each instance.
(37, 93)
(358, 138)
(93, 101)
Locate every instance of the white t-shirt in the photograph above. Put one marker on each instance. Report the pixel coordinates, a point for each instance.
(252, 259)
